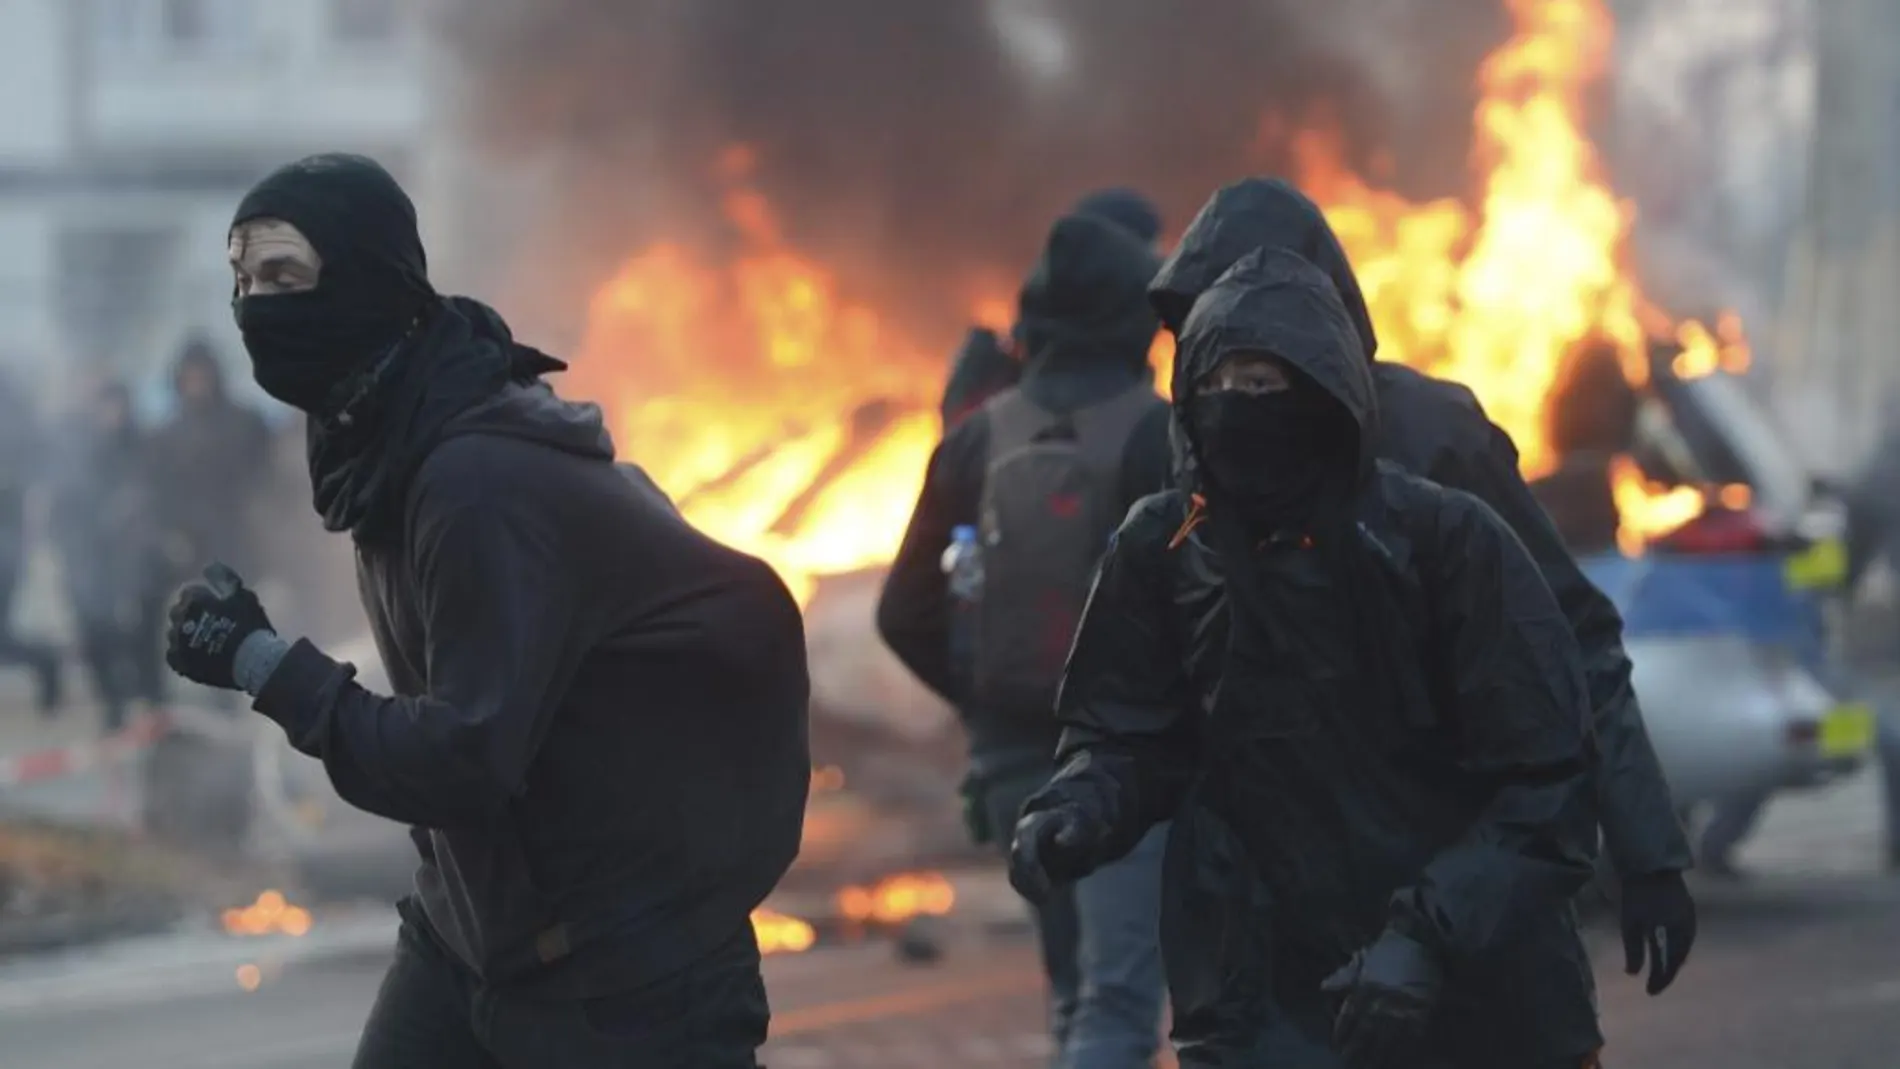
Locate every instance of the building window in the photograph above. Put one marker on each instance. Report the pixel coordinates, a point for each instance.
(363, 21)
(173, 27)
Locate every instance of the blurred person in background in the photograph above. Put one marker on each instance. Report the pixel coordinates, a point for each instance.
(988, 363)
(210, 463)
(22, 461)
(102, 519)
(599, 730)
(1437, 429)
(1356, 699)
(1873, 536)
(1038, 477)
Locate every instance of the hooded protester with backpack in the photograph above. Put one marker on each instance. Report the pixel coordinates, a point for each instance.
(1357, 701)
(986, 363)
(1037, 479)
(1437, 429)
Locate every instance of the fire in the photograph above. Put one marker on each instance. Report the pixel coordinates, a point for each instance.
(781, 934)
(270, 914)
(895, 899)
(796, 425)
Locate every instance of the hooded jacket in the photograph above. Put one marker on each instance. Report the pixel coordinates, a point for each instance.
(1086, 326)
(1437, 429)
(599, 721)
(1382, 724)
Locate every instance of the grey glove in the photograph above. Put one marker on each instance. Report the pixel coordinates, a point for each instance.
(1389, 991)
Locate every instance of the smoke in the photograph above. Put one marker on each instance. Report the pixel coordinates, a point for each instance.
(918, 146)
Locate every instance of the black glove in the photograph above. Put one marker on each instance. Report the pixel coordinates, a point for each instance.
(1053, 847)
(1658, 915)
(1389, 989)
(209, 621)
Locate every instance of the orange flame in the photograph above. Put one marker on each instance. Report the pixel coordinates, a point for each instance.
(793, 424)
(779, 933)
(895, 899)
(271, 914)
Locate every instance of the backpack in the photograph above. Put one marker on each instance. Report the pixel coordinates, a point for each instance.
(1051, 499)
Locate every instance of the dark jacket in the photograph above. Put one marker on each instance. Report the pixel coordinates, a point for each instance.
(981, 369)
(1380, 724)
(101, 518)
(600, 717)
(1437, 429)
(1087, 327)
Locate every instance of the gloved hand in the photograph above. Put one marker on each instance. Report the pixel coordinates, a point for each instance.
(209, 621)
(1658, 915)
(1389, 991)
(1053, 847)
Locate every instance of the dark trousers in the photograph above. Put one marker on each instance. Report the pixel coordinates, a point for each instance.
(124, 664)
(431, 1013)
(1100, 942)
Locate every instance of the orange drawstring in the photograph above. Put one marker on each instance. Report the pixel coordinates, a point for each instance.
(1197, 515)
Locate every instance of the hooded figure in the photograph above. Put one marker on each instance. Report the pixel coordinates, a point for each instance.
(210, 462)
(986, 364)
(1086, 430)
(599, 726)
(1437, 429)
(1355, 697)
(101, 517)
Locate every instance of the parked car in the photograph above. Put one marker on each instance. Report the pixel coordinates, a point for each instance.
(1729, 618)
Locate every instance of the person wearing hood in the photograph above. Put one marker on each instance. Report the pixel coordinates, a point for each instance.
(1038, 478)
(1362, 708)
(101, 513)
(210, 462)
(1437, 429)
(599, 729)
(986, 363)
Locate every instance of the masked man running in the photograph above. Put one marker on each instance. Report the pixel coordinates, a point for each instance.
(599, 730)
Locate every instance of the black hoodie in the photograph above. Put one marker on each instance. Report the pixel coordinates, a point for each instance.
(599, 726)
(1437, 429)
(1382, 725)
(1087, 330)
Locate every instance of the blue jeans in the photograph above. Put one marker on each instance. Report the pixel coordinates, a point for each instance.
(1101, 948)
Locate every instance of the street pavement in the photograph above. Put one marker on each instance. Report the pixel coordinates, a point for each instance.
(1797, 968)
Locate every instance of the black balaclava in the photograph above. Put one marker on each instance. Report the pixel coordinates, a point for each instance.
(372, 288)
(1274, 458)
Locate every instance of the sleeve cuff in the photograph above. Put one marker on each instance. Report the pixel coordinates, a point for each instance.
(301, 692)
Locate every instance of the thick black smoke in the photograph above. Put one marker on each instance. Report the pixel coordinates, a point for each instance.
(910, 144)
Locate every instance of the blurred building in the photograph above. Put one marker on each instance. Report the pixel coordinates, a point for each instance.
(131, 129)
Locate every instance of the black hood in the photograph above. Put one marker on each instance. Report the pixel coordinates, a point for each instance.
(1272, 301)
(1255, 213)
(197, 355)
(1084, 305)
(1126, 208)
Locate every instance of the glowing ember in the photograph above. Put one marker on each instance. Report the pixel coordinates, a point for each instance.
(895, 899)
(250, 977)
(271, 914)
(793, 424)
(780, 934)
